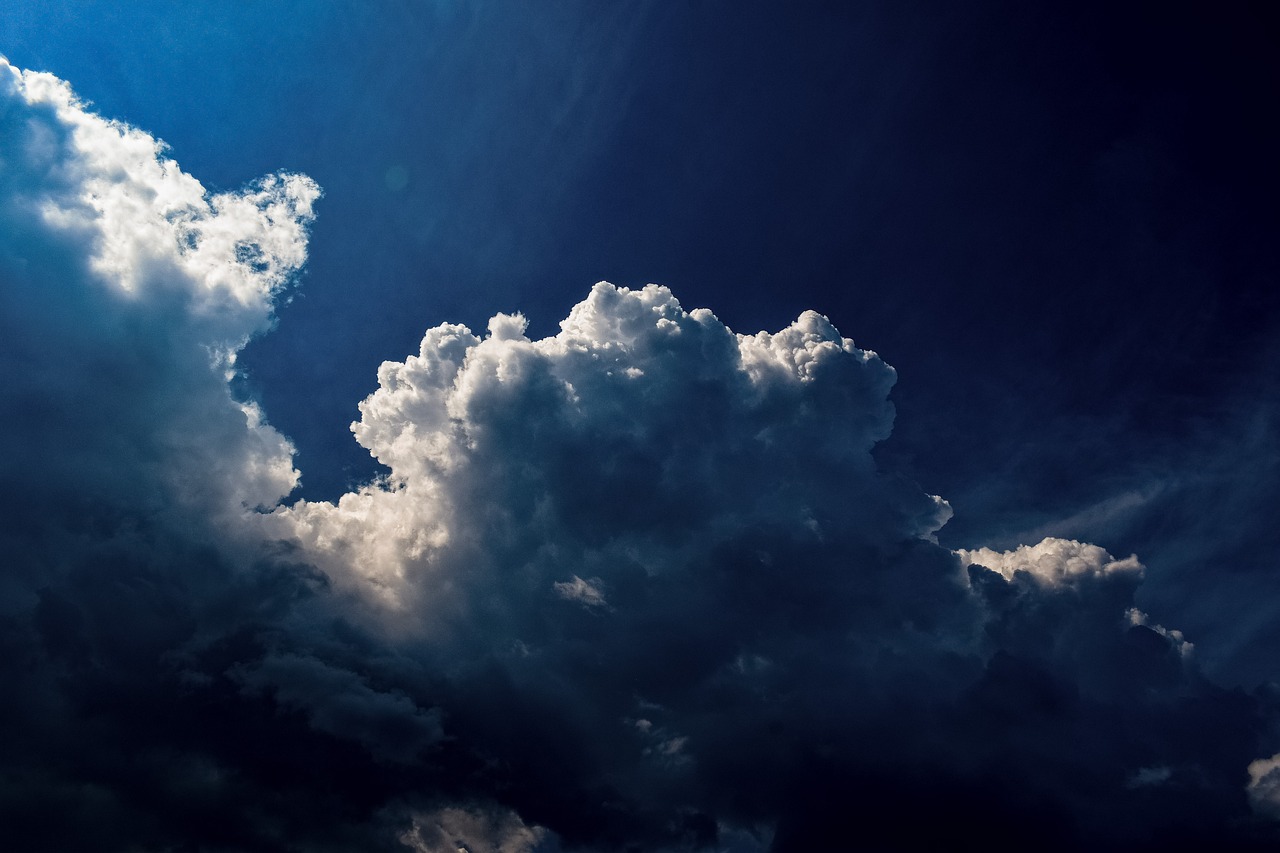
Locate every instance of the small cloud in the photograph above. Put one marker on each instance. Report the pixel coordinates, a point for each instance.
(1055, 562)
(588, 593)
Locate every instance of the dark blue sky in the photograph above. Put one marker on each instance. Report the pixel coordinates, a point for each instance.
(1057, 221)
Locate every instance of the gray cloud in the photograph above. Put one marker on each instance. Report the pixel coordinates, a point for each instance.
(340, 703)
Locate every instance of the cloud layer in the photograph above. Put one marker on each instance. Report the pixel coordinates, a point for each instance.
(637, 585)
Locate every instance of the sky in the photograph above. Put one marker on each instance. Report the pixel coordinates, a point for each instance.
(639, 426)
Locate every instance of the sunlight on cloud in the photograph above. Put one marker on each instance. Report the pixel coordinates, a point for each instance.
(640, 429)
(151, 224)
(1054, 562)
(170, 283)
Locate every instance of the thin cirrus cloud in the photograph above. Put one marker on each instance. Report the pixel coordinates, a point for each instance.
(635, 585)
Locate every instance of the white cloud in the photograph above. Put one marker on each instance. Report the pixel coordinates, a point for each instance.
(640, 430)
(128, 291)
(1055, 562)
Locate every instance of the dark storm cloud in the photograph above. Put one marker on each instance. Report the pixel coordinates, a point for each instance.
(637, 585)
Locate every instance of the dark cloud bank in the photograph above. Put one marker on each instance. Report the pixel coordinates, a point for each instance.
(637, 586)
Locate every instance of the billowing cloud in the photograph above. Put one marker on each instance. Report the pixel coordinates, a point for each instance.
(633, 444)
(1055, 562)
(128, 291)
(635, 585)
(674, 535)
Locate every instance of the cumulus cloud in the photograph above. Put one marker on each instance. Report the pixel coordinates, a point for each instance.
(635, 585)
(640, 426)
(128, 290)
(741, 574)
(1055, 562)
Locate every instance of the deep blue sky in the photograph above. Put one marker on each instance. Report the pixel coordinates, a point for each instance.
(1056, 220)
